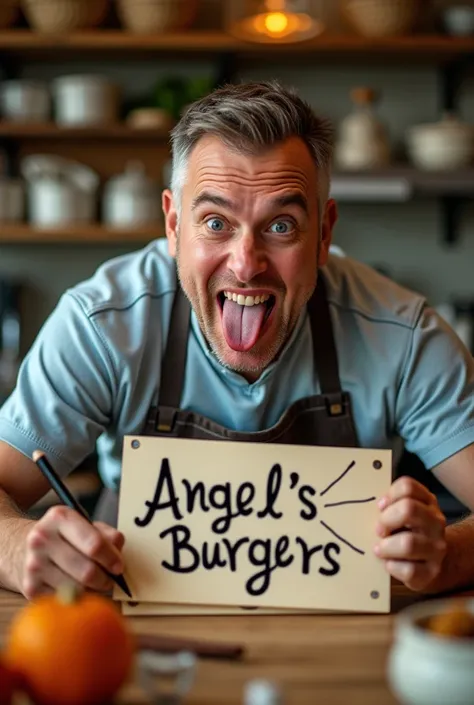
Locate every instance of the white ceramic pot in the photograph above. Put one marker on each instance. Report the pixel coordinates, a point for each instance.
(85, 100)
(427, 669)
(132, 199)
(25, 101)
(459, 20)
(52, 202)
(12, 200)
(60, 191)
(445, 145)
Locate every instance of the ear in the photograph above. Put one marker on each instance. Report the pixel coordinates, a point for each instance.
(327, 226)
(171, 220)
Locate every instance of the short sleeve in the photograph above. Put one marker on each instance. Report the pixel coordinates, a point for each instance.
(63, 397)
(435, 401)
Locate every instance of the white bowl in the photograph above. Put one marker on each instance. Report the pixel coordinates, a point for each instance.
(445, 145)
(425, 668)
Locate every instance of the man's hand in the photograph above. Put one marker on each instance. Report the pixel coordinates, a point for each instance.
(412, 531)
(62, 545)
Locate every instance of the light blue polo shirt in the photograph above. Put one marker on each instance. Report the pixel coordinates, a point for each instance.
(94, 369)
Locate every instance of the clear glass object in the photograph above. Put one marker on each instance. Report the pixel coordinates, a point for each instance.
(166, 678)
(275, 21)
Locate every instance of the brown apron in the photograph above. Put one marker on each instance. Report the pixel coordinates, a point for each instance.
(322, 419)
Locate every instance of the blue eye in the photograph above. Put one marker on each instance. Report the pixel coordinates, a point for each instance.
(216, 225)
(281, 227)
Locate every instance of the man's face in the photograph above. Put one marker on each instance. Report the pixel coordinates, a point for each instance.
(248, 246)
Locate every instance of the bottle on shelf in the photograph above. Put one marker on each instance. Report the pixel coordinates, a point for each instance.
(363, 142)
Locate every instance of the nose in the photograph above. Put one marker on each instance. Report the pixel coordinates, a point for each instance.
(247, 258)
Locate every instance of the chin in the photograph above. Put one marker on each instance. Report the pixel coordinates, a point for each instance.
(249, 364)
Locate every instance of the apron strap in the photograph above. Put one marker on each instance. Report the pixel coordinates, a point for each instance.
(324, 348)
(174, 362)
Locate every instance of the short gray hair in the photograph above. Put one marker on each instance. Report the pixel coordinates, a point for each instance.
(251, 117)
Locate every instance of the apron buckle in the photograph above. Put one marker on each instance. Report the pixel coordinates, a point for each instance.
(165, 417)
(334, 404)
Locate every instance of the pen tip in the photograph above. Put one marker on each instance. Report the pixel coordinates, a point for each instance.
(120, 580)
(37, 454)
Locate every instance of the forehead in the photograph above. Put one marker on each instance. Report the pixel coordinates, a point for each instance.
(290, 163)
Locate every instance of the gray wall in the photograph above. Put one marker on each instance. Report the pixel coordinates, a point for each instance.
(407, 239)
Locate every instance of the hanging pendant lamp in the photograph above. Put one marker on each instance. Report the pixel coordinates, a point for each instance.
(274, 21)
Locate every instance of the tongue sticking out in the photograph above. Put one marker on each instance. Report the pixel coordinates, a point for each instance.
(242, 324)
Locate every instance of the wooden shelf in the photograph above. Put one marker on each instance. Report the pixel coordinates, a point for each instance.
(16, 234)
(401, 183)
(22, 42)
(398, 184)
(119, 131)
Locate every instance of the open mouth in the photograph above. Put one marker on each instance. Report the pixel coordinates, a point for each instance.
(267, 299)
(244, 317)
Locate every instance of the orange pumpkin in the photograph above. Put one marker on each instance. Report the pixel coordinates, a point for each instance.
(9, 683)
(71, 649)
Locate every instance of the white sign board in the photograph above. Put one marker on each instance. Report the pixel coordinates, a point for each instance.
(218, 524)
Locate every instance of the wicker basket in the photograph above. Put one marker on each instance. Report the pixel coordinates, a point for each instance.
(54, 16)
(147, 16)
(8, 12)
(381, 18)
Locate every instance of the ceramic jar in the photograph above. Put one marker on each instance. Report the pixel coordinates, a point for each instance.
(85, 100)
(25, 101)
(131, 198)
(60, 191)
(363, 141)
(426, 669)
(444, 145)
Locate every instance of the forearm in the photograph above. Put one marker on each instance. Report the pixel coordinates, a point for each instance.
(14, 526)
(458, 567)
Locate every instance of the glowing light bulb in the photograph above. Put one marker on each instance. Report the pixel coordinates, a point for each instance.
(276, 22)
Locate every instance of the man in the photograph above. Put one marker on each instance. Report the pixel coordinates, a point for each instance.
(263, 336)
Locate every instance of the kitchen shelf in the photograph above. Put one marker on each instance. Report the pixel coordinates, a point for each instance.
(22, 42)
(118, 131)
(402, 183)
(97, 234)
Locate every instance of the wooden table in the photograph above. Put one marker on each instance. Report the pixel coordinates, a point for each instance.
(316, 659)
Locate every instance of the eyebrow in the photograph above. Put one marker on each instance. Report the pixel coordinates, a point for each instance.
(288, 199)
(214, 199)
(292, 199)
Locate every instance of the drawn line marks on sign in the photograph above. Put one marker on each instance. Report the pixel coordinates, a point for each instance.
(354, 548)
(338, 479)
(351, 501)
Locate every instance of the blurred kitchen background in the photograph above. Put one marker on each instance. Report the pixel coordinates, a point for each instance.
(90, 88)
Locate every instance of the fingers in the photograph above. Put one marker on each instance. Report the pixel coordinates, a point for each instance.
(410, 546)
(416, 576)
(412, 531)
(88, 540)
(44, 577)
(115, 537)
(407, 487)
(65, 546)
(59, 557)
(412, 514)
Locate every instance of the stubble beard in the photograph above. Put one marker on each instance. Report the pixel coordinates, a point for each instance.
(216, 341)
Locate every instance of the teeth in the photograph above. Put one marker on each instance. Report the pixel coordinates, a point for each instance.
(246, 300)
